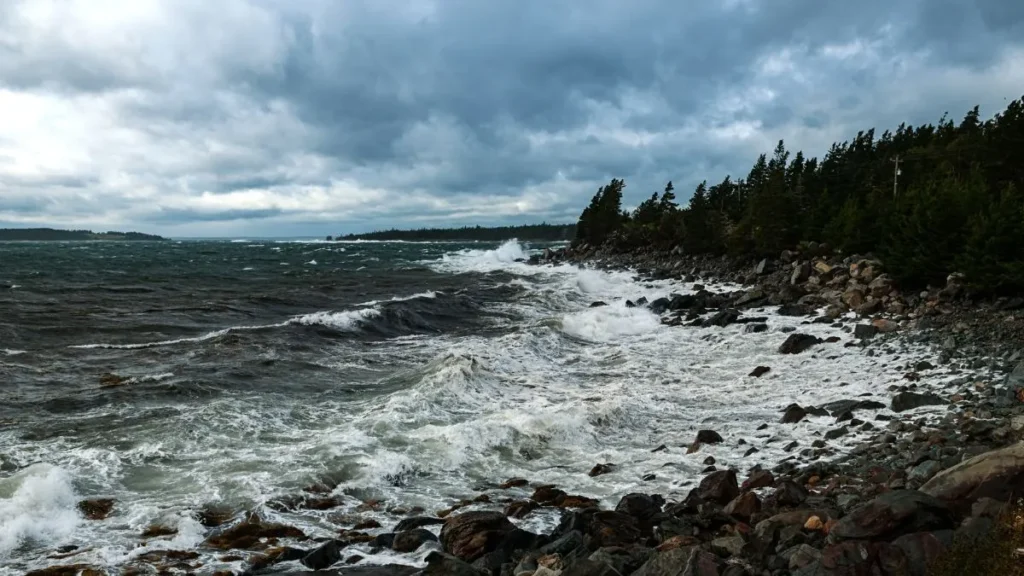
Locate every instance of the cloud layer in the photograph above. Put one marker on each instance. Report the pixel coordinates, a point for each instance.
(190, 117)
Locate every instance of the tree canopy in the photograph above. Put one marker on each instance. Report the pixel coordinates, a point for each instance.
(929, 200)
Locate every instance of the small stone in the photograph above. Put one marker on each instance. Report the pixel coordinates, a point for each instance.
(760, 371)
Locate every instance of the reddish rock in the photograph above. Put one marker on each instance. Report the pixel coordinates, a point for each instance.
(893, 514)
(547, 494)
(758, 479)
(470, 535)
(156, 530)
(96, 509)
(744, 506)
(246, 534)
(613, 529)
(577, 502)
(367, 525)
(521, 508)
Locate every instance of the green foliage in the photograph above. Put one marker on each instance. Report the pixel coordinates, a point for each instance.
(958, 204)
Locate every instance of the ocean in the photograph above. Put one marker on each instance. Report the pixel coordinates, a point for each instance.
(179, 375)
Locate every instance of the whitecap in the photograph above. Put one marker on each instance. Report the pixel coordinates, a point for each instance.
(37, 507)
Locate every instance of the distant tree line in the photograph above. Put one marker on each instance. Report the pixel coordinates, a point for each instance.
(957, 204)
(535, 232)
(42, 234)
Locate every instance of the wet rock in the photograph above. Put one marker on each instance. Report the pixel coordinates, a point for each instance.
(864, 331)
(214, 515)
(997, 474)
(69, 570)
(601, 469)
(565, 545)
(921, 550)
(411, 540)
(743, 507)
(641, 507)
(598, 304)
(547, 495)
(470, 535)
(794, 310)
(248, 533)
(758, 479)
(722, 319)
(789, 493)
(110, 380)
(417, 522)
(659, 306)
(686, 561)
(97, 508)
(760, 371)
(513, 483)
(837, 433)
(521, 508)
(801, 272)
(325, 556)
(720, 487)
(885, 326)
(623, 560)
(755, 328)
(571, 501)
(438, 564)
(612, 529)
(157, 530)
(894, 514)
(728, 546)
(924, 471)
(797, 343)
(802, 556)
(709, 437)
(909, 400)
(793, 414)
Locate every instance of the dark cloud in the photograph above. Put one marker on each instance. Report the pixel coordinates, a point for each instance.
(270, 116)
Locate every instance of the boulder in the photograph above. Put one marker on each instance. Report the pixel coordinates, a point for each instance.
(997, 474)
(97, 508)
(760, 371)
(417, 522)
(600, 469)
(793, 414)
(659, 306)
(585, 567)
(608, 528)
(325, 556)
(794, 310)
(852, 298)
(921, 549)
(640, 506)
(743, 507)
(885, 326)
(763, 267)
(248, 533)
(684, 561)
(411, 540)
(709, 437)
(789, 493)
(894, 514)
(869, 308)
(623, 560)
(755, 328)
(720, 487)
(801, 272)
(758, 479)
(864, 331)
(910, 400)
(470, 535)
(438, 564)
(750, 297)
(797, 343)
(881, 286)
(722, 319)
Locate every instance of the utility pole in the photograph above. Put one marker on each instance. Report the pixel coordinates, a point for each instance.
(896, 175)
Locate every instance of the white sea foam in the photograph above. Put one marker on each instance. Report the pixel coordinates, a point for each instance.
(311, 263)
(11, 352)
(37, 506)
(347, 320)
(483, 260)
(427, 294)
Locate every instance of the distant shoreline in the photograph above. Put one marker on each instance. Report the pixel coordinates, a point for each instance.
(54, 235)
(531, 233)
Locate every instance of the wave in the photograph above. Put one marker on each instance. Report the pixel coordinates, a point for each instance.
(348, 320)
(37, 506)
(609, 323)
(469, 260)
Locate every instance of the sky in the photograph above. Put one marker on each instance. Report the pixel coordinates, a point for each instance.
(316, 117)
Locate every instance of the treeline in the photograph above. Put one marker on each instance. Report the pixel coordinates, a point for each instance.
(533, 232)
(44, 234)
(928, 200)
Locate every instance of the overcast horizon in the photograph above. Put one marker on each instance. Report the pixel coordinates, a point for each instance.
(313, 118)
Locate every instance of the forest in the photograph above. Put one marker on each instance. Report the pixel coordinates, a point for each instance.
(50, 234)
(927, 200)
(533, 232)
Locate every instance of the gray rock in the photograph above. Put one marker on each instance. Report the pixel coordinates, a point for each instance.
(924, 471)
(894, 514)
(797, 343)
(909, 400)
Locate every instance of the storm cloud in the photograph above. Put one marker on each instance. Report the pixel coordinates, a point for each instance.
(312, 117)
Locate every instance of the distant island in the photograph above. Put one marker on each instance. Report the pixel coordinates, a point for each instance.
(533, 232)
(50, 234)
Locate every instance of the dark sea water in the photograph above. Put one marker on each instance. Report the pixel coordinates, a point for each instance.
(174, 376)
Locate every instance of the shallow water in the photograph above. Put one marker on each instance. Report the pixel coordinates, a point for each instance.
(416, 374)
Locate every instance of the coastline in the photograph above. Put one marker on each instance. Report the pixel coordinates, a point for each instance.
(735, 522)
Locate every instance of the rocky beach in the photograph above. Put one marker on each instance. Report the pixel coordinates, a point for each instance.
(918, 477)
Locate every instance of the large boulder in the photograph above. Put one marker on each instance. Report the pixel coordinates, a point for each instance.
(997, 474)
(685, 561)
(793, 414)
(470, 535)
(801, 272)
(720, 487)
(249, 533)
(894, 514)
(438, 564)
(910, 400)
(797, 343)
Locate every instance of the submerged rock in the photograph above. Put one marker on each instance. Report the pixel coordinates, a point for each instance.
(797, 343)
(97, 508)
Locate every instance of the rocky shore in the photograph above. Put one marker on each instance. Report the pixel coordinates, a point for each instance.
(931, 492)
